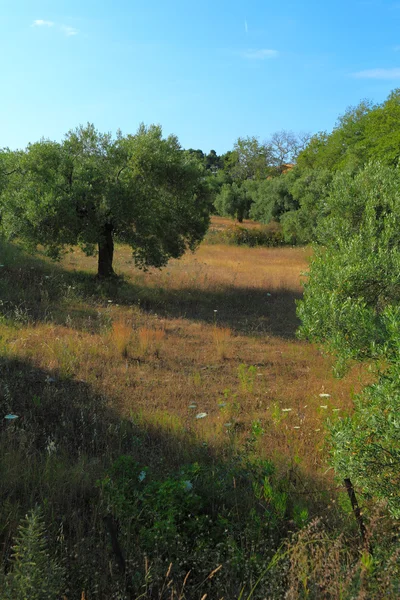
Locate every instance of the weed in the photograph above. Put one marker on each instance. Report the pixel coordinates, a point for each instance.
(247, 377)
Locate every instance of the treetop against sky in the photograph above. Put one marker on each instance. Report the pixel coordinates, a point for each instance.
(209, 72)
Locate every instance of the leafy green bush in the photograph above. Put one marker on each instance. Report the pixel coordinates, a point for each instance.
(366, 446)
(351, 303)
(200, 517)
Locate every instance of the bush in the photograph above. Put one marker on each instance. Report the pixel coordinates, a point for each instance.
(236, 235)
(366, 446)
(199, 518)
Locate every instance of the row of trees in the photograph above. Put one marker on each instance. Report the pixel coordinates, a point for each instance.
(92, 189)
(236, 175)
(295, 197)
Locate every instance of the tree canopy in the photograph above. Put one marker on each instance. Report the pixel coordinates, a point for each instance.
(352, 305)
(90, 189)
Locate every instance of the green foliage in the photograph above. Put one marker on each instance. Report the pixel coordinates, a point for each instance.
(34, 574)
(272, 198)
(366, 446)
(141, 189)
(234, 200)
(352, 293)
(253, 159)
(309, 189)
(247, 377)
(220, 512)
(320, 564)
(351, 303)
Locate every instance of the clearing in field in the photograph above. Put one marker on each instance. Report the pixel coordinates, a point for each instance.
(211, 334)
(197, 364)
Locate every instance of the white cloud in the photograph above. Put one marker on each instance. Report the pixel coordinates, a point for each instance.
(69, 30)
(42, 23)
(378, 74)
(260, 54)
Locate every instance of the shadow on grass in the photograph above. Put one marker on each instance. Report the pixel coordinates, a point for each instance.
(58, 454)
(33, 290)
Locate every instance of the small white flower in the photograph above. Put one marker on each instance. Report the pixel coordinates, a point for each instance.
(11, 417)
(296, 427)
(324, 395)
(51, 446)
(201, 415)
(324, 406)
(109, 301)
(335, 409)
(192, 405)
(286, 409)
(215, 310)
(268, 294)
(317, 430)
(142, 476)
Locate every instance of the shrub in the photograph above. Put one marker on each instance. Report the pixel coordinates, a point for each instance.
(199, 518)
(236, 235)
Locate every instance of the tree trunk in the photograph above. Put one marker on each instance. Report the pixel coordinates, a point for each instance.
(106, 252)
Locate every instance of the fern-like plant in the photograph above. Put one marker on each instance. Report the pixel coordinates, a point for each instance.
(34, 575)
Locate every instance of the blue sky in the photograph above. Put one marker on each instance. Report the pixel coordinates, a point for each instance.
(208, 71)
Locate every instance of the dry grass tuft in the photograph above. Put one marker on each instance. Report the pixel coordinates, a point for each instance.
(151, 340)
(221, 337)
(121, 335)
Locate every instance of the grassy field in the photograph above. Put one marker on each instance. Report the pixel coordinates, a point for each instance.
(197, 364)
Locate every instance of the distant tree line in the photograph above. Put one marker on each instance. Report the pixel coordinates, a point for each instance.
(288, 178)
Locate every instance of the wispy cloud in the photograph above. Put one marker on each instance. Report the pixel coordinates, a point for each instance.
(396, 48)
(378, 74)
(246, 27)
(42, 23)
(260, 54)
(66, 29)
(69, 30)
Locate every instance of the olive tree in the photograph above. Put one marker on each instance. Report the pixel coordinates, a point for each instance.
(352, 304)
(92, 189)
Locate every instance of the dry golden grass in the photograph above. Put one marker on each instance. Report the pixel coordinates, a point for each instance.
(180, 343)
(151, 339)
(221, 337)
(121, 336)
